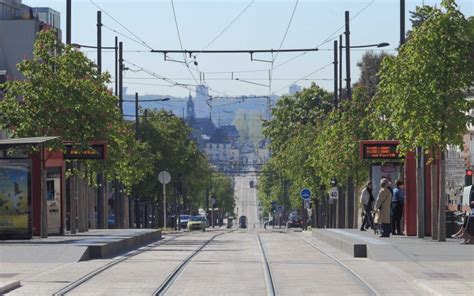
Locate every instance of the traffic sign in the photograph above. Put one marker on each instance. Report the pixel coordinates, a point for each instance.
(305, 194)
(274, 203)
(280, 208)
(164, 177)
(213, 200)
(334, 193)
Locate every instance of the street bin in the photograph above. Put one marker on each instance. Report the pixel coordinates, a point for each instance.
(230, 222)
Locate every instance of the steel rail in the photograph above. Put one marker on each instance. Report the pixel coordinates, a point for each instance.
(101, 269)
(169, 281)
(357, 278)
(271, 289)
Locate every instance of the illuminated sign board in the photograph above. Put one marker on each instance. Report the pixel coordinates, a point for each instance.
(95, 151)
(379, 150)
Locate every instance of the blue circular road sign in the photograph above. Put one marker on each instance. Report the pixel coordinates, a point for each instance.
(305, 194)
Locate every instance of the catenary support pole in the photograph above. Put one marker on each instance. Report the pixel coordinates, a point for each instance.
(99, 41)
(335, 75)
(340, 68)
(116, 66)
(68, 21)
(350, 185)
(348, 57)
(121, 68)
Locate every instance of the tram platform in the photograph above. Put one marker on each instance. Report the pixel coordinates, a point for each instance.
(366, 244)
(20, 258)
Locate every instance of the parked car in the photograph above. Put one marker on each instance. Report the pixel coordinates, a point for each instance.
(294, 220)
(197, 223)
(183, 221)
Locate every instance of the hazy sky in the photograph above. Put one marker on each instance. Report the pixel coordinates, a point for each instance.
(261, 26)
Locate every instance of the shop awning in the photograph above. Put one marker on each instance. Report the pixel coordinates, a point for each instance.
(14, 142)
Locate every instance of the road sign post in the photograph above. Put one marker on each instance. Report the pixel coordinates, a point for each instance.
(305, 194)
(164, 177)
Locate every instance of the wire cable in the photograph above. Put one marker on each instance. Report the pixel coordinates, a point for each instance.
(306, 76)
(181, 43)
(287, 29)
(123, 35)
(120, 24)
(229, 25)
(329, 38)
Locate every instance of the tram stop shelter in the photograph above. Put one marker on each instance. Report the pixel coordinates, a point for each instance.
(24, 194)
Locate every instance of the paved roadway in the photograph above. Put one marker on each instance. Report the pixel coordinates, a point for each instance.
(246, 201)
(226, 263)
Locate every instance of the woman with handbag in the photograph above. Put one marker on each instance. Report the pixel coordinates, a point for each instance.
(383, 206)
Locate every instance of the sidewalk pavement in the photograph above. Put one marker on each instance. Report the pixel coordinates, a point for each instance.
(439, 268)
(20, 259)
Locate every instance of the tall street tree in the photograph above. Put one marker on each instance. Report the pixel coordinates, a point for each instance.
(420, 100)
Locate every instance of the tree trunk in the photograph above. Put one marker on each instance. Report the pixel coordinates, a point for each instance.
(73, 206)
(101, 202)
(442, 198)
(116, 204)
(81, 204)
(420, 225)
(341, 223)
(434, 196)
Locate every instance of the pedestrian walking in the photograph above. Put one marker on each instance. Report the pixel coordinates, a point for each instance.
(398, 200)
(366, 200)
(382, 208)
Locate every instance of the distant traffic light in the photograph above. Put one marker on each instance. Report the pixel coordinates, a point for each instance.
(468, 178)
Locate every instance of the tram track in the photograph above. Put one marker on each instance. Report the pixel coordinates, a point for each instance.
(172, 277)
(271, 288)
(65, 290)
(356, 277)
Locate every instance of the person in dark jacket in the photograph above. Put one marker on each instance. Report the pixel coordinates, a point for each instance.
(366, 201)
(397, 207)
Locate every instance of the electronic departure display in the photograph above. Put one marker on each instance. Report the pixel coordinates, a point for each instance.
(379, 150)
(95, 151)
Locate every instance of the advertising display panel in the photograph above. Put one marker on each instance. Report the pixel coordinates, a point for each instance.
(15, 199)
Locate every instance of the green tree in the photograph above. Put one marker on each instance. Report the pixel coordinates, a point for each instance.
(295, 121)
(62, 94)
(420, 100)
(223, 190)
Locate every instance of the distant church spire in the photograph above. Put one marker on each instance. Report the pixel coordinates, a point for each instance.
(190, 114)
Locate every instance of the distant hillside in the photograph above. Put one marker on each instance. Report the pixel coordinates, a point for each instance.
(223, 110)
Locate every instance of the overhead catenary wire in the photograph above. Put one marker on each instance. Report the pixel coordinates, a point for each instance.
(124, 36)
(171, 81)
(270, 74)
(304, 77)
(327, 39)
(121, 25)
(286, 31)
(229, 25)
(181, 42)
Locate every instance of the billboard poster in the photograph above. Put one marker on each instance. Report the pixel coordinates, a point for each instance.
(15, 199)
(391, 171)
